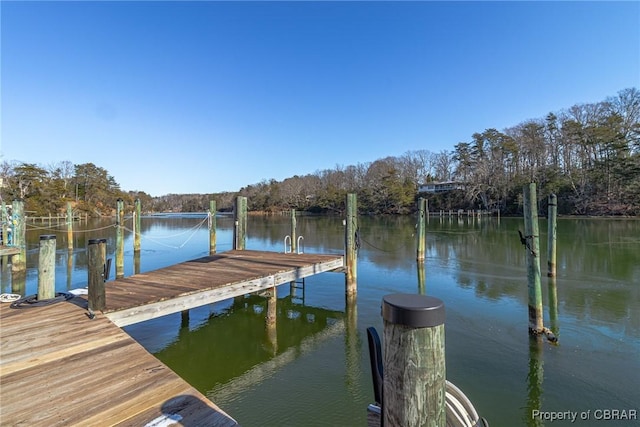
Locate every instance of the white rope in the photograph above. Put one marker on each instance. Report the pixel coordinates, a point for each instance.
(9, 297)
(193, 231)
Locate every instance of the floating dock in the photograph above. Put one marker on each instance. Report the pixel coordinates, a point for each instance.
(58, 367)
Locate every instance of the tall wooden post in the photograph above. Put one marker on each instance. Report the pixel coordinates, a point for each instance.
(414, 361)
(421, 231)
(119, 239)
(212, 227)
(18, 238)
(47, 267)
(351, 248)
(532, 239)
(5, 223)
(96, 274)
(552, 235)
(240, 230)
(69, 227)
(137, 223)
(294, 244)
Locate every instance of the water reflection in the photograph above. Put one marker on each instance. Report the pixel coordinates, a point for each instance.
(238, 340)
(535, 377)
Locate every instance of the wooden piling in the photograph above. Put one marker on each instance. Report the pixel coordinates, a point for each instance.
(294, 243)
(5, 223)
(552, 235)
(351, 246)
(212, 227)
(414, 361)
(532, 239)
(240, 229)
(69, 227)
(119, 239)
(18, 238)
(421, 230)
(137, 222)
(47, 267)
(96, 250)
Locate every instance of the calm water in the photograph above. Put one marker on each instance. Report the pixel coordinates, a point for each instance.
(313, 370)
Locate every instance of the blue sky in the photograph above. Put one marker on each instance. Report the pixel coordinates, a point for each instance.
(201, 97)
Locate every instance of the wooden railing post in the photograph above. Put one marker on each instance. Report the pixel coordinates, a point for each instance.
(47, 267)
(414, 361)
(96, 251)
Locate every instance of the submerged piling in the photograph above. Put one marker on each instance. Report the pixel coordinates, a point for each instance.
(532, 242)
(552, 236)
(351, 246)
(421, 231)
(119, 239)
(212, 227)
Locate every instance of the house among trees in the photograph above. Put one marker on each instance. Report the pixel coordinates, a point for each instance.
(440, 187)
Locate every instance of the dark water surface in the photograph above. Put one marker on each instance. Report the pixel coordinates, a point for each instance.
(313, 369)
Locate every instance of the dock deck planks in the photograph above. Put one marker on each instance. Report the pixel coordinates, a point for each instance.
(60, 368)
(207, 280)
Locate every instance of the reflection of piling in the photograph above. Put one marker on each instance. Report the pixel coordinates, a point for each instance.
(414, 361)
(119, 239)
(553, 305)
(47, 267)
(271, 319)
(535, 377)
(421, 231)
(352, 348)
(212, 227)
(240, 229)
(96, 254)
(532, 242)
(351, 246)
(552, 237)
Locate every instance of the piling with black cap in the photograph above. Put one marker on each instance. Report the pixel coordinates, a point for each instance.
(47, 267)
(96, 273)
(414, 361)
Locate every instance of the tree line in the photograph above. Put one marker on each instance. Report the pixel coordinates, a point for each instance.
(588, 155)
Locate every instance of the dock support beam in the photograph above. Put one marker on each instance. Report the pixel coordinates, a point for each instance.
(414, 361)
(96, 253)
(119, 239)
(421, 232)
(351, 247)
(47, 267)
(552, 236)
(18, 239)
(532, 238)
(212, 227)
(240, 229)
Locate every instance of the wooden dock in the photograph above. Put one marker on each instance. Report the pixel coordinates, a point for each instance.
(60, 368)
